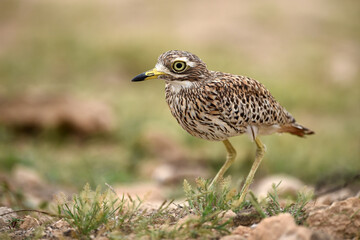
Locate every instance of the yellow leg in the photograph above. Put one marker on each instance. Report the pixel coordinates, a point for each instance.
(260, 151)
(230, 158)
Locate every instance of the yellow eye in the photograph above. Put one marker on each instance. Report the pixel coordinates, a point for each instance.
(179, 66)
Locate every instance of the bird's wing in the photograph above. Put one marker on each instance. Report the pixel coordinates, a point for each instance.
(239, 100)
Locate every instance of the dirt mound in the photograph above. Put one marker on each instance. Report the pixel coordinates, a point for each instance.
(340, 219)
(34, 113)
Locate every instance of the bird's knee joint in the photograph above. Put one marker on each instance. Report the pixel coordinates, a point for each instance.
(264, 148)
(232, 158)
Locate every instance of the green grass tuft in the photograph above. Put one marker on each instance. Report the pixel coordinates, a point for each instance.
(89, 210)
(271, 206)
(203, 198)
(96, 212)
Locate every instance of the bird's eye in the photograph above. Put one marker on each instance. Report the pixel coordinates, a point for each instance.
(179, 66)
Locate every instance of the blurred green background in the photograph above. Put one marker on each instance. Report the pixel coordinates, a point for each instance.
(305, 52)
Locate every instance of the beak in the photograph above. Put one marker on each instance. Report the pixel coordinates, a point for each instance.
(154, 73)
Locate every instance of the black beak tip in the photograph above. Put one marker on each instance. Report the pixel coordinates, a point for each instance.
(139, 78)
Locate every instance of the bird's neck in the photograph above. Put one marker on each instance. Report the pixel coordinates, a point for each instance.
(177, 86)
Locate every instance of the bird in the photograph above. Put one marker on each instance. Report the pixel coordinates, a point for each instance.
(216, 106)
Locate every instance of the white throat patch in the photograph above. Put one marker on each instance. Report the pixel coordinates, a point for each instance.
(176, 86)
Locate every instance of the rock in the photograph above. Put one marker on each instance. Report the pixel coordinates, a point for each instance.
(340, 219)
(3, 223)
(164, 147)
(164, 173)
(60, 230)
(61, 224)
(316, 235)
(26, 177)
(188, 219)
(70, 233)
(247, 217)
(102, 238)
(288, 186)
(146, 191)
(29, 222)
(229, 215)
(5, 219)
(339, 195)
(233, 237)
(33, 113)
(34, 188)
(169, 173)
(279, 227)
(176, 164)
(336, 187)
(242, 230)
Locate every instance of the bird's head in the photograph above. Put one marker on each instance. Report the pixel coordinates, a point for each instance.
(176, 65)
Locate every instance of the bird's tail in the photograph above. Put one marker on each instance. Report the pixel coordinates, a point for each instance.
(295, 129)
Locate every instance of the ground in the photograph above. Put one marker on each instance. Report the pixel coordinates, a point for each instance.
(288, 210)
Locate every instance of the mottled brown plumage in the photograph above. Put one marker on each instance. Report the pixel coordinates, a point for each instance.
(216, 106)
